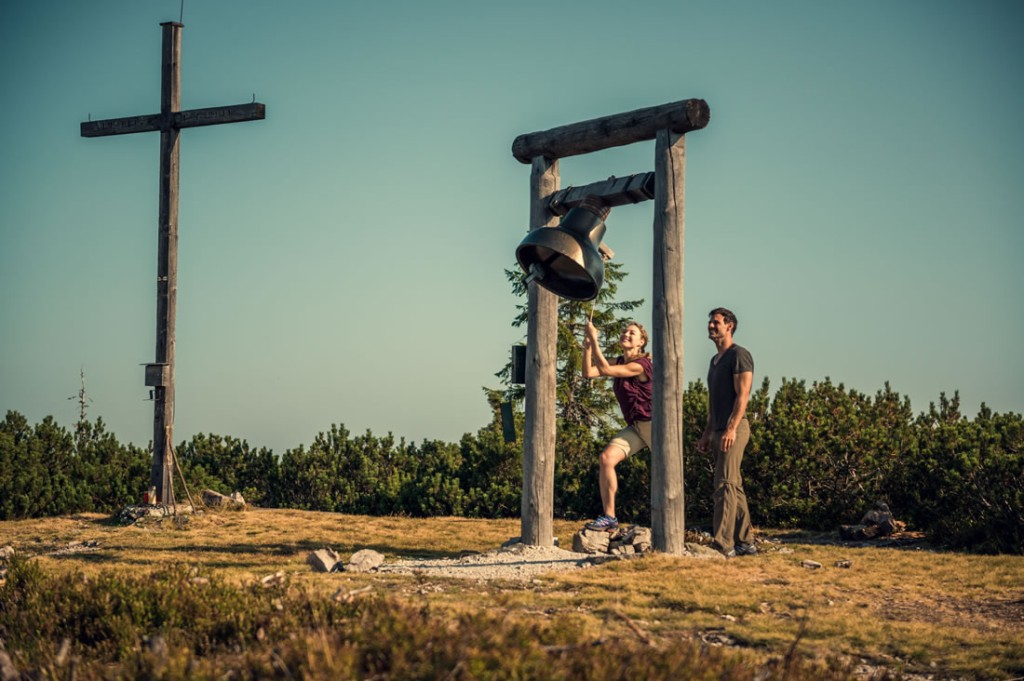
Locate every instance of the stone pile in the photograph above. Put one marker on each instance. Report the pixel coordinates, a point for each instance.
(630, 541)
(878, 522)
(134, 513)
(211, 499)
(627, 540)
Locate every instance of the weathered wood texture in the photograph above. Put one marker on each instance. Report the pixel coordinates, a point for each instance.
(541, 358)
(169, 122)
(612, 131)
(162, 471)
(615, 191)
(193, 118)
(667, 510)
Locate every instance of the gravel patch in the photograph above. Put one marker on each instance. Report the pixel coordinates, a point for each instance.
(515, 562)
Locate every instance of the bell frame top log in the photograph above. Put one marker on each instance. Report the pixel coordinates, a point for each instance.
(612, 131)
(667, 124)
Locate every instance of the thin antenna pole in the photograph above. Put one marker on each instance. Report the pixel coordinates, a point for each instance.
(181, 12)
(81, 397)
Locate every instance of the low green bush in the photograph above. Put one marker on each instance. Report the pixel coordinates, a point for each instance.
(819, 456)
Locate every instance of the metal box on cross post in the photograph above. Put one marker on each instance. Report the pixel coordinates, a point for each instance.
(157, 374)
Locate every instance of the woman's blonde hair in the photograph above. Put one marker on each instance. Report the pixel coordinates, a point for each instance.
(643, 333)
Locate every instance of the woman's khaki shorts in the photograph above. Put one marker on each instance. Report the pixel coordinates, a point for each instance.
(633, 438)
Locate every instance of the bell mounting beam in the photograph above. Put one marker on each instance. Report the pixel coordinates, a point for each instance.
(615, 191)
(169, 122)
(667, 125)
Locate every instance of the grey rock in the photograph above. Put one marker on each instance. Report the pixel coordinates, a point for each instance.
(364, 561)
(590, 541)
(878, 515)
(214, 499)
(877, 522)
(641, 539)
(324, 560)
(702, 551)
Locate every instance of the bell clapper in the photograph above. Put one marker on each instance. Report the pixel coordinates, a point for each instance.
(536, 272)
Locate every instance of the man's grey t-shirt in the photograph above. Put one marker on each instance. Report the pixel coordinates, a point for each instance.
(721, 388)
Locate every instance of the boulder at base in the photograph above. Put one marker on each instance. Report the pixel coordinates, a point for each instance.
(324, 560)
(365, 560)
(213, 499)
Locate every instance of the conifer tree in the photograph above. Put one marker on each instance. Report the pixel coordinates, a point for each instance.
(581, 402)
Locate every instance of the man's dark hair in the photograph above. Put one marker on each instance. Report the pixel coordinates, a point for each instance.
(727, 315)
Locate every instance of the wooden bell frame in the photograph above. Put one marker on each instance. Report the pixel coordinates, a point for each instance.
(667, 125)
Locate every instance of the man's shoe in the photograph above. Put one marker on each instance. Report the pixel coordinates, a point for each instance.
(604, 523)
(745, 549)
(731, 553)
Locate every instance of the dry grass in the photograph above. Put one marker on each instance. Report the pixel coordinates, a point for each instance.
(914, 610)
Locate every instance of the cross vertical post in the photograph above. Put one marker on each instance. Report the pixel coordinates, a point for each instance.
(167, 261)
(169, 122)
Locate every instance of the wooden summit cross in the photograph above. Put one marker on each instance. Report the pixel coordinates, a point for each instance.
(170, 120)
(666, 124)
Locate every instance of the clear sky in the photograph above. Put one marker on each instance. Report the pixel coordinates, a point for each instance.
(856, 199)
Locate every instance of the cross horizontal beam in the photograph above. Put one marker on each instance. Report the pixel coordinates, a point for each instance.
(193, 118)
(615, 191)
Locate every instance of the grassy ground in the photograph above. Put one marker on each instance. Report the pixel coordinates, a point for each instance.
(907, 609)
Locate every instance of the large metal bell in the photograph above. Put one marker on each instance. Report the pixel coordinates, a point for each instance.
(565, 259)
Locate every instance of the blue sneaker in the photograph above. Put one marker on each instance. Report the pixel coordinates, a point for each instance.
(604, 523)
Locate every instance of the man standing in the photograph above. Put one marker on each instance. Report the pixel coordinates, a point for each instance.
(730, 377)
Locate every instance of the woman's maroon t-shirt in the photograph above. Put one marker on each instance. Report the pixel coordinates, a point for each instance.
(634, 395)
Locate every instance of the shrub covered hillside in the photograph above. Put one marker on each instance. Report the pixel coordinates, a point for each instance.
(819, 456)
